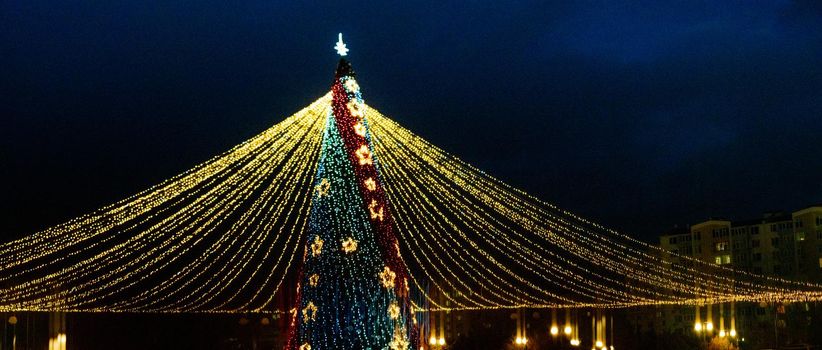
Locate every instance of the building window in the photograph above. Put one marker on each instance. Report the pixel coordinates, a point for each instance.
(798, 224)
(755, 243)
(718, 260)
(819, 221)
(722, 246)
(697, 236)
(820, 263)
(726, 259)
(819, 235)
(800, 236)
(757, 256)
(755, 230)
(672, 240)
(773, 227)
(775, 241)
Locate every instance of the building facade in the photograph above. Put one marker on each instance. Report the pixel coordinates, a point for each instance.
(787, 245)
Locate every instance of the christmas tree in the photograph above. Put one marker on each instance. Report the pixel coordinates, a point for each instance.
(353, 288)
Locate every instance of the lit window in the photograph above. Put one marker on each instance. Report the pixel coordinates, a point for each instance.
(820, 263)
(718, 260)
(726, 259)
(722, 246)
(800, 236)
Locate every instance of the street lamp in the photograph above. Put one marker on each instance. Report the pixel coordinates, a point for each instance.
(522, 341)
(433, 341)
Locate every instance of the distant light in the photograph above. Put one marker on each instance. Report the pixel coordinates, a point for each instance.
(722, 333)
(599, 343)
(341, 49)
(432, 340)
(698, 327)
(554, 330)
(442, 341)
(567, 330)
(733, 333)
(709, 326)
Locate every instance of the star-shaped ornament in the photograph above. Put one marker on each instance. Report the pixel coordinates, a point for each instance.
(349, 245)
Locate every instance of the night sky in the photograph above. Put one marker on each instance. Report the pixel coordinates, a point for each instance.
(638, 116)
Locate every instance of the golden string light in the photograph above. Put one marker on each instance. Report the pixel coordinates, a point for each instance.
(223, 236)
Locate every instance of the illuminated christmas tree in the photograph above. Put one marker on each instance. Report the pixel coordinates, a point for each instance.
(353, 288)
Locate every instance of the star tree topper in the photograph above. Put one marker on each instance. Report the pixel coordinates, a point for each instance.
(341, 49)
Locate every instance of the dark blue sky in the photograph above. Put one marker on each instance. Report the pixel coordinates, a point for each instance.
(638, 116)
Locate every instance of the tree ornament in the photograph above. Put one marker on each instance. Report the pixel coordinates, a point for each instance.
(323, 187)
(310, 312)
(349, 245)
(393, 310)
(356, 109)
(351, 85)
(387, 277)
(399, 341)
(340, 47)
(376, 212)
(305, 346)
(364, 155)
(370, 184)
(359, 129)
(317, 246)
(313, 280)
